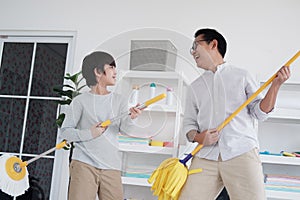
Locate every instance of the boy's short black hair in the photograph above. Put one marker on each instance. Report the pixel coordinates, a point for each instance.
(94, 60)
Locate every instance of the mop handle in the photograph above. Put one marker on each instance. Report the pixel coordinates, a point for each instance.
(58, 146)
(142, 106)
(105, 123)
(220, 127)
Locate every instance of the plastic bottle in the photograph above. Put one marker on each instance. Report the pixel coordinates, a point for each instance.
(152, 90)
(134, 95)
(169, 99)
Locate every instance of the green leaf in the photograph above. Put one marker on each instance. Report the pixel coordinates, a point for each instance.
(78, 89)
(65, 102)
(73, 78)
(60, 119)
(68, 92)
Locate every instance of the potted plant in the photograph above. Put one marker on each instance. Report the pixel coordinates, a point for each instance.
(68, 92)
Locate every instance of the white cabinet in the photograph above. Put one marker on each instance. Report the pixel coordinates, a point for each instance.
(281, 132)
(160, 122)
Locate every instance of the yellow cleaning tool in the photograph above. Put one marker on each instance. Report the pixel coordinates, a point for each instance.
(142, 106)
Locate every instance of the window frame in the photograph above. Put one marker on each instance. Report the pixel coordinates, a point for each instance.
(59, 182)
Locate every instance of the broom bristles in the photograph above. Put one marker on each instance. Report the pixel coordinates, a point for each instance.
(8, 185)
(168, 179)
(176, 180)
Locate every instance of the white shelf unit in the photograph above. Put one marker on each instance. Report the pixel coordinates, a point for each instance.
(280, 160)
(282, 195)
(135, 181)
(165, 120)
(281, 132)
(146, 149)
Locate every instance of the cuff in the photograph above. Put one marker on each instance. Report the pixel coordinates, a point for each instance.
(261, 115)
(191, 135)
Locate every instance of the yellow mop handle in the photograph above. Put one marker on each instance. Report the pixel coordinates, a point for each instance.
(106, 123)
(155, 99)
(143, 105)
(61, 145)
(256, 93)
(220, 127)
(58, 146)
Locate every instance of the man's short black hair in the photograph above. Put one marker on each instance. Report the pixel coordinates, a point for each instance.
(211, 34)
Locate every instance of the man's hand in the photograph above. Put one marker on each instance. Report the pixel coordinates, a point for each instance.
(207, 137)
(282, 75)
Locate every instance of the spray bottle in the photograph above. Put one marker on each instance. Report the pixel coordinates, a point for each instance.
(152, 90)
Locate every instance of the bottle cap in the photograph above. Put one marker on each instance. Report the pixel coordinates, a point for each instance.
(135, 87)
(152, 85)
(169, 89)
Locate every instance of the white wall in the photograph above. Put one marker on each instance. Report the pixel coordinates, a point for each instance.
(262, 35)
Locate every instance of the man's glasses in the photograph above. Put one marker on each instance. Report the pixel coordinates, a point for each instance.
(195, 44)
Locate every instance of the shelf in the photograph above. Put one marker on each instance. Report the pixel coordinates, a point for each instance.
(159, 108)
(146, 149)
(280, 160)
(291, 86)
(269, 193)
(135, 181)
(289, 114)
(150, 74)
(282, 195)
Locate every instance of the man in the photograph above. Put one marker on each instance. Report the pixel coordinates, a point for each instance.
(230, 157)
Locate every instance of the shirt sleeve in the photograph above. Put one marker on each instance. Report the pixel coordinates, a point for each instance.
(254, 106)
(69, 129)
(126, 123)
(191, 112)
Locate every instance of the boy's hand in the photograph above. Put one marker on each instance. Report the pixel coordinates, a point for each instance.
(135, 111)
(97, 130)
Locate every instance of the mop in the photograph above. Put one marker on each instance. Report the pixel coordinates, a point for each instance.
(15, 181)
(169, 178)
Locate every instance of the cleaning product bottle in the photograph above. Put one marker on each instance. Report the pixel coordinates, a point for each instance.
(135, 95)
(169, 99)
(152, 90)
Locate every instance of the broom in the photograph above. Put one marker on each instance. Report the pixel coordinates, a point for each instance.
(170, 176)
(15, 181)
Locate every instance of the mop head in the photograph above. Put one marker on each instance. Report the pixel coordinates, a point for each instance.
(168, 179)
(13, 179)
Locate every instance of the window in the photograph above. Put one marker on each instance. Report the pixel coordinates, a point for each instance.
(30, 67)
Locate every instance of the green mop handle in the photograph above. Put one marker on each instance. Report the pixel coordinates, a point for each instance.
(58, 146)
(220, 127)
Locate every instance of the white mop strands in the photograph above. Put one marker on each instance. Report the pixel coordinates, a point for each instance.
(13, 178)
(14, 175)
